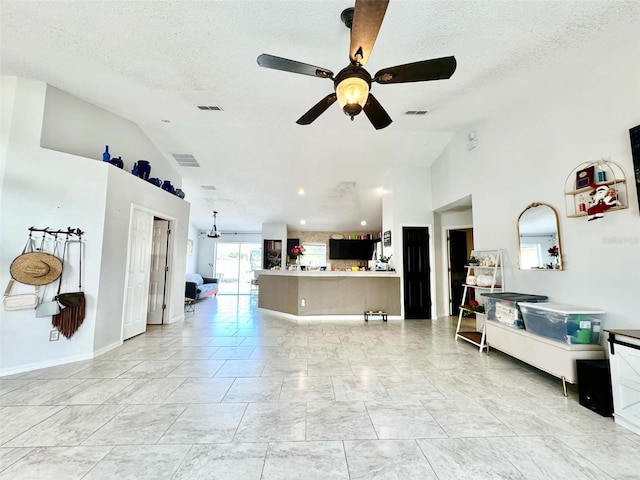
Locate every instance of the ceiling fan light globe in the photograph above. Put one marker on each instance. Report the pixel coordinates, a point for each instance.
(352, 91)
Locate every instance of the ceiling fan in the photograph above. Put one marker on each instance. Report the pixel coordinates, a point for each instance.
(352, 83)
(214, 233)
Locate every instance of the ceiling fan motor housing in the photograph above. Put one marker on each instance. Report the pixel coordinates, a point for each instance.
(353, 71)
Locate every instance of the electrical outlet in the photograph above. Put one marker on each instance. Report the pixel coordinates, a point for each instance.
(54, 335)
(303, 302)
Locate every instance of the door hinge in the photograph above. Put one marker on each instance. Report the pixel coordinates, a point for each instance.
(168, 231)
(166, 269)
(164, 306)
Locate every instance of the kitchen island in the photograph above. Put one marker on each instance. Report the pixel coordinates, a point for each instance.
(329, 294)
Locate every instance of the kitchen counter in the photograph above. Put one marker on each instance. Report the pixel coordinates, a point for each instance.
(329, 294)
(329, 273)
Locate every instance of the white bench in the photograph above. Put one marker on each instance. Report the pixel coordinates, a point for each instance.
(554, 357)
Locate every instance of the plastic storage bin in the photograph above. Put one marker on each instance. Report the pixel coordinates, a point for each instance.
(503, 307)
(566, 323)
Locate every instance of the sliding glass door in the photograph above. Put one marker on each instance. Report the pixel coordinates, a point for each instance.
(235, 265)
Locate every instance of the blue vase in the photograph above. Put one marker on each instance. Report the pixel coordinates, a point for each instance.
(178, 193)
(134, 170)
(117, 162)
(167, 186)
(156, 181)
(144, 169)
(106, 156)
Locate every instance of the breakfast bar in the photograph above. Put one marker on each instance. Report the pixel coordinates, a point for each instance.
(329, 294)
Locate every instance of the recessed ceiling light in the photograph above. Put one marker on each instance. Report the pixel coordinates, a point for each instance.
(301, 191)
(381, 191)
(363, 223)
(303, 222)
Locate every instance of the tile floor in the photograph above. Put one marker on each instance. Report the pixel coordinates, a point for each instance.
(235, 394)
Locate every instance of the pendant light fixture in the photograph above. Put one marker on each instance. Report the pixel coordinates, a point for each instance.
(214, 233)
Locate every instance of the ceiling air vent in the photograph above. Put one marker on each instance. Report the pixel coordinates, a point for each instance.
(185, 160)
(416, 112)
(210, 107)
(208, 188)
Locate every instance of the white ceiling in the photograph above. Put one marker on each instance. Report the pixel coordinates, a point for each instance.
(151, 61)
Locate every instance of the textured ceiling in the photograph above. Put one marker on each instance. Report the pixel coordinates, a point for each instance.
(151, 61)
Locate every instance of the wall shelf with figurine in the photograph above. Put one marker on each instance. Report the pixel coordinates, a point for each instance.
(596, 187)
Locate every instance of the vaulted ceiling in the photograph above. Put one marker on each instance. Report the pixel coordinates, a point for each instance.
(155, 62)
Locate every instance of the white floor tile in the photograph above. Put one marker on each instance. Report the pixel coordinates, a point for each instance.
(233, 394)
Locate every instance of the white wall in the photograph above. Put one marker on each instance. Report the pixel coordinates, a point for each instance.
(43, 187)
(192, 260)
(124, 191)
(72, 125)
(409, 205)
(525, 153)
(7, 96)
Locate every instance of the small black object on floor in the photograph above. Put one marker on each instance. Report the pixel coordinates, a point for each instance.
(594, 386)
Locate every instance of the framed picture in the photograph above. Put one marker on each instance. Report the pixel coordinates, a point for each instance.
(584, 177)
(386, 238)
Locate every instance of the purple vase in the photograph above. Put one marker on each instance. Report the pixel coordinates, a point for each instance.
(144, 169)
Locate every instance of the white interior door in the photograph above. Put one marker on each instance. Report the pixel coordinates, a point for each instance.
(158, 274)
(137, 289)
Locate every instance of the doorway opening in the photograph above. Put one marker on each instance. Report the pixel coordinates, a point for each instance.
(147, 286)
(235, 267)
(460, 242)
(158, 271)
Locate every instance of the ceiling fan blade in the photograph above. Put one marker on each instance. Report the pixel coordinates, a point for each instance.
(367, 18)
(317, 110)
(278, 63)
(435, 69)
(376, 114)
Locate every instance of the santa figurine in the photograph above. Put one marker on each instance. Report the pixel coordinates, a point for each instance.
(602, 199)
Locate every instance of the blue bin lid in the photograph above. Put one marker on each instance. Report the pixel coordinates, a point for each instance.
(516, 297)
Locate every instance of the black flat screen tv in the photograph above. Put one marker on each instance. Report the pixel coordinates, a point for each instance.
(350, 249)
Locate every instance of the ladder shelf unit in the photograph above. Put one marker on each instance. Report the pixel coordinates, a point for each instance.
(487, 276)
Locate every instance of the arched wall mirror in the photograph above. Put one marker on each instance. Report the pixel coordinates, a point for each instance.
(539, 238)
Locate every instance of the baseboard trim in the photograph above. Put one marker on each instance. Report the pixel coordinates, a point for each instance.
(49, 363)
(106, 349)
(58, 361)
(176, 319)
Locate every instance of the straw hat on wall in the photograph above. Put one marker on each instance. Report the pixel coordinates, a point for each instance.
(36, 268)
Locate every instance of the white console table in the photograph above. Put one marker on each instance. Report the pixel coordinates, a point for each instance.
(554, 357)
(624, 347)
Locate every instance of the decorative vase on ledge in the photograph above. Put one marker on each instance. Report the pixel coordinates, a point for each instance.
(106, 156)
(167, 186)
(144, 169)
(117, 162)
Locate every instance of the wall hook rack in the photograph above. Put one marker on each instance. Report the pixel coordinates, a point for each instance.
(69, 232)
